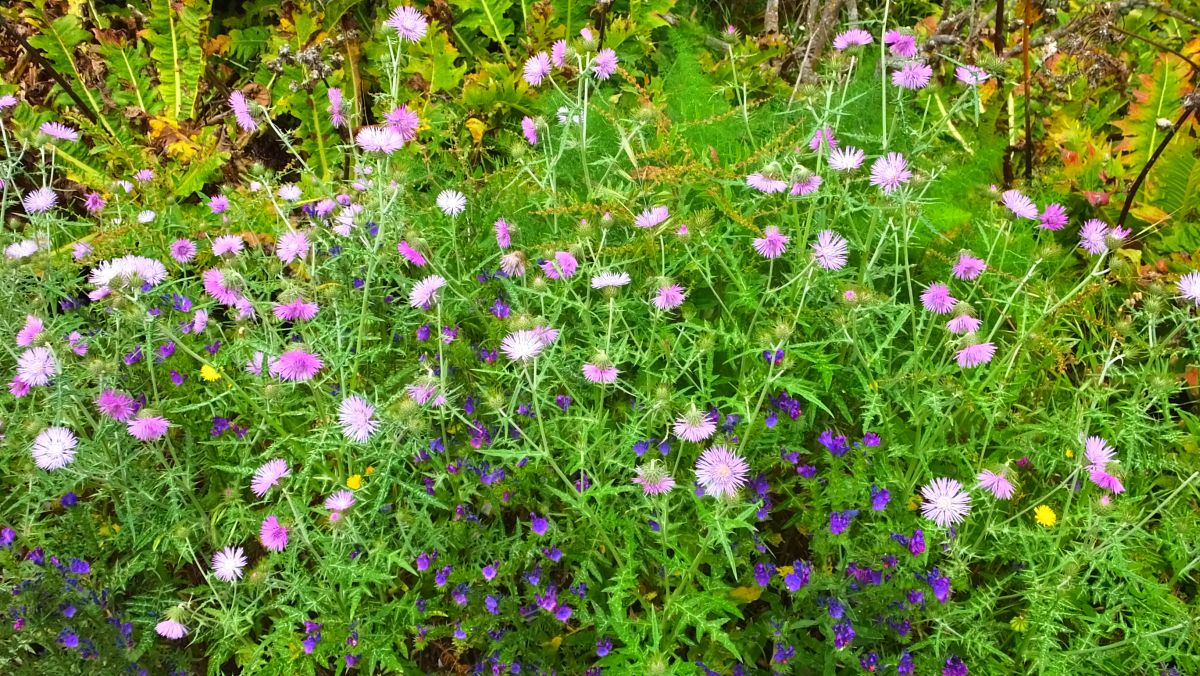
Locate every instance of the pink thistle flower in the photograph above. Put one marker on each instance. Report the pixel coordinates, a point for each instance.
(183, 250)
(537, 67)
(522, 346)
(503, 235)
(422, 392)
(807, 185)
(228, 563)
(410, 254)
(851, 38)
(846, 159)
(54, 448)
(297, 310)
(937, 299)
(971, 75)
(654, 478)
(974, 355)
(59, 131)
(292, 245)
(337, 117)
(652, 217)
(75, 340)
(356, 417)
(29, 333)
(36, 366)
(563, 266)
(766, 184)
(772, 244)
(241, 111)
(7, 101)
(425, 292)
(721, 472)
(600, 373)
(144, 176)
(273, 535)
(695, 425)
(1107, 481)
(296, 365)
(1189, 287)
(1097, 452)
(94, 202)
(227, 244)
(1054, 217)
(1092, 237)
(913, 75)
(900, 44)
(404, 121)
(116, 405)
(968, 267)
(215, 286)
(339, 501)
(38, 201)
(134, 271)
(945, 503)
(81, 250)
(890, 172)
(23, 249)
(997, 484)
(605, 64)
(513, 264)
(830, 250)
(451, 202)
(823, 137)
(17, 387)
(384, 140)
(608, 280)
(963, 324)
(1021, 206)
(529, 129)
(267, 475)
(546, 334)
(171, 629)
(408, 23)
(668, 297)
(255, 363)
(558, 53)
(148, 427)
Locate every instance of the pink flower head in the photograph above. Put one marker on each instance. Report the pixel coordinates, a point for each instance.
(562, 267)
(968, 267)
(296, 365)
(1054, 217)
(605, 64)
(183, 250)
(30, 332)
(851, 38)
(721, 472)
(81, 250)
(1021, 206)
(1189, 287)
(54, 448)
(1097, 452)
(267, 475)
(974, 355)
(451, 202)
(997, 484)
(823, 137)
(537, 67)
(39, 200)
(404, 121)
(652, 217)
(807, 185)
(36, 366)
(846, 159)
(937, 299)
(1108, 482)
(971, 75)
(900, 44)
(654, 478)
(227, 244)
(890, 172)
(357, 419)
(522, 346)
(912, 75)
(216, 286)
(171, 629)
(94, 202)
(228, 563)
(408, 23)
(503, 234)
(963, 324)
(384, 140)
(297, 310)
(241, 111)
(945, 503)
(148, 427)
(513, 264)
(546, 334)
(609, 280)
(1093, 236)
(116, 405)
(337, 117)
(339, 501)
(830, 250)
(529, 130)
(695, 425)
(272, 534)
(766, 184)
(59, 131)
(558, 53)
(600, 373)
(772, 244)
(410, 254)
(668, 297)
(425, 292)
(17, 387)
(292, 245)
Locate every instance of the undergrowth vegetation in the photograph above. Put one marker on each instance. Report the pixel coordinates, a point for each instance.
(497, 337)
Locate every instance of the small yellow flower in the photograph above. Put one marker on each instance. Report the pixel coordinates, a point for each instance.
(354, 482)
(1045, 516)
(209, 373)
(370, 470)
(1070, 453)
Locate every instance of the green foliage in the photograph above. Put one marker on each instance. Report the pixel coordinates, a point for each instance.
(176, 32)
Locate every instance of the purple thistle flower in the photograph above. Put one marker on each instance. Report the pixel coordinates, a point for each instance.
(890, 172)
